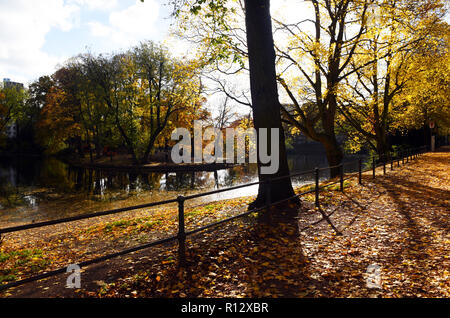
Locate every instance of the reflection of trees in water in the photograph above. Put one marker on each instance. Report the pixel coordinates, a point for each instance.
(98, 181)
(183, 180)
(54, 174)
(240, 174)
(204, 179)
(30, 171)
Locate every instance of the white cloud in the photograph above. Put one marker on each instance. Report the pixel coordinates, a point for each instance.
(98, 29)
(96, 4)
(130, 25)
(23, 27)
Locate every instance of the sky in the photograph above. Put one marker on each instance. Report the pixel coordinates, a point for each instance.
(38, 35)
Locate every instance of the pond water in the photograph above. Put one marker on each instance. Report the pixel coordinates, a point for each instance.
(36, 189)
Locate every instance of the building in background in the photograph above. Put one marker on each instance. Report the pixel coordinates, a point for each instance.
(7, 83)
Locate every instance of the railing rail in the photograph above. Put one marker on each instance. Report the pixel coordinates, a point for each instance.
(408, 154)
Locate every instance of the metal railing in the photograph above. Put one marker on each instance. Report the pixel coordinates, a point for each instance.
(404, 156)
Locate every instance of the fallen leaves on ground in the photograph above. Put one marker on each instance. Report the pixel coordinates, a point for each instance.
(398, 222)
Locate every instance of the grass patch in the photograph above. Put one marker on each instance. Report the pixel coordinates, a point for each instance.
(203, 210)
(16, 261)
(149, 225)
(119, 224)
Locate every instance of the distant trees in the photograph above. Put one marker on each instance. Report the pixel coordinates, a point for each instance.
(373, 100)
(10, 103)
(59, 122)
(425, 98)
(133, 99)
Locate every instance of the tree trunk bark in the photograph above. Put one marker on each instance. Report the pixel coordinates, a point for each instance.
(332, 148)
(264, 91)
(382, 147)
(334, 156)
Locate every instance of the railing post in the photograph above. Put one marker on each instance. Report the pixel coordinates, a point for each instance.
(407, 156)
(360, 171)
(316, 177)
(181, 233)
(373, 167)
(384, 165)
(392, 163)
(341, 172)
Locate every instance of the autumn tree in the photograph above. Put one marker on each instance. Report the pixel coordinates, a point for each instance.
(396, 31)
(134, 98)
(145, 92)
(314, 64)
(37, 94)
(59, 125)
(11, 107)
(425, 98)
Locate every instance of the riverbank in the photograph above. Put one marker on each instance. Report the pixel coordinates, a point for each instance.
(398, 222)
(125, 163)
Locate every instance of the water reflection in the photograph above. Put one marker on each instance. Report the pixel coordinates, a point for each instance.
(49, 188)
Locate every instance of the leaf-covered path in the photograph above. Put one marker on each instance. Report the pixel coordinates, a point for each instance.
(398, 222)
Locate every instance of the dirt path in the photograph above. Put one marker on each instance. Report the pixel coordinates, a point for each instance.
(395, 225)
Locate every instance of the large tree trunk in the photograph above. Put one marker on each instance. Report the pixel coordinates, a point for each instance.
(334, 156)
(382, 146)
(265, 103)
(332, 148)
